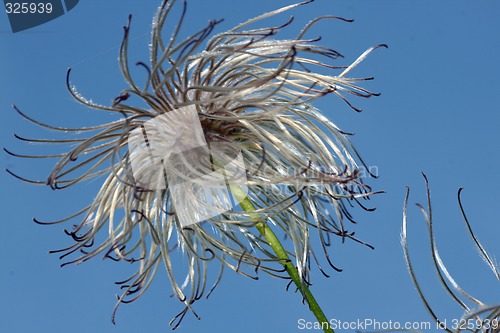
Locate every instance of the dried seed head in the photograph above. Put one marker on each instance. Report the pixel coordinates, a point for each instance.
(238, 111)
(477, 316)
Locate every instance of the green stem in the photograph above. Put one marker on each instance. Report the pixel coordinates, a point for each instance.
(280, 251)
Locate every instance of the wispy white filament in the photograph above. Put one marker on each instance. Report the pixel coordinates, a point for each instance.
(250, 90)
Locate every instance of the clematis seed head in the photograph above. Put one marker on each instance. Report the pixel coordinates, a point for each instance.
(234, 109)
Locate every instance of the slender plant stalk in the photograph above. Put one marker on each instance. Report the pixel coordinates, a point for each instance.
(280, 252)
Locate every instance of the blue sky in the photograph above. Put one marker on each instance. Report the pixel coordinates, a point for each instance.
(438, 113)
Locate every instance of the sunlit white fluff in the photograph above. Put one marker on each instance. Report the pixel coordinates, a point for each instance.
(249, 88)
